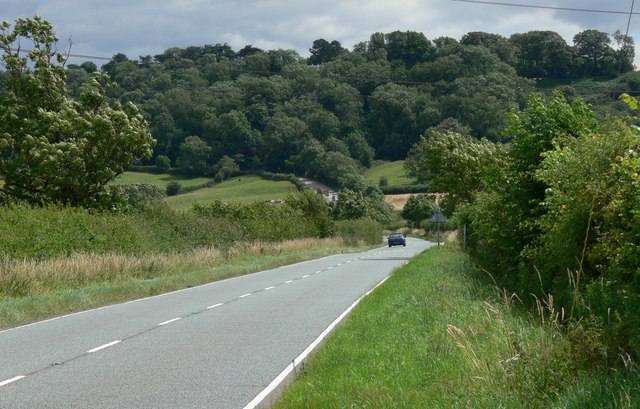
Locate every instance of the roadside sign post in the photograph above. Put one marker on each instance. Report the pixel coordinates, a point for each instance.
(438, 218)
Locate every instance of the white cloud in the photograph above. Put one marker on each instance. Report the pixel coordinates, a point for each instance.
(146, 27)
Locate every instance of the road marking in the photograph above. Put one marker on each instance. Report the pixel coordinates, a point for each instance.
(270, 288)
(328, 268)
(101, 347)
(245, 295)
(318, 272)
(339, 264)
(305, 276)
(8, 381)
(169, 322)
(296, 362)
(288, 282)
(215, 305)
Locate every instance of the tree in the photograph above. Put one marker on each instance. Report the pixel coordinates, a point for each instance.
(418, 208)
(194, 156)
(594, 47)
(452, 163)
(225, 168)
(624, 53)
(505, 215)
(543, 54)
(163, 163)
(323, 51)
(495, 43)
(55, 149)
(410, 47)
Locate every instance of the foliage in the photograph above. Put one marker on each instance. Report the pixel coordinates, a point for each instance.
(315, 209)
(56, 149)
(453, 163)
(270, 111)
(163, 163)
(138, 195)
(194, 157)
(562, 217)
(418, 208)
(361, 199)
(357, 231)
(173, 188)
(225, 168)
(259, 220)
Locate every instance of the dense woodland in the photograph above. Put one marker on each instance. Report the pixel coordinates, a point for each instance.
(332, 114)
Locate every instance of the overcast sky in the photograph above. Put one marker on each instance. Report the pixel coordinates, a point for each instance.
(148, 27)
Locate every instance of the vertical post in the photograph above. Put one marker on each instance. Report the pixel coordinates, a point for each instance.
(464, 237)
(438, 234)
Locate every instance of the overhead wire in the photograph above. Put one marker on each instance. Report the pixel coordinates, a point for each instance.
(535, 6)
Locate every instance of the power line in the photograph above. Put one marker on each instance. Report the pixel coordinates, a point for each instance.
(533, 6)
(92, 57)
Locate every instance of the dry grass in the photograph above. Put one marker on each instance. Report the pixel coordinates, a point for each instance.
(398, 201)
(29, 277)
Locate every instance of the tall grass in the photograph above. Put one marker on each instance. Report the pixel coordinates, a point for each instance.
(32, 289)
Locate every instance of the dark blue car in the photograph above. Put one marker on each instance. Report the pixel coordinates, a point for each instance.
(396, 239)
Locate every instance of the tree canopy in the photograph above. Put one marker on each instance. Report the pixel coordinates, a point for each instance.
(54, 148)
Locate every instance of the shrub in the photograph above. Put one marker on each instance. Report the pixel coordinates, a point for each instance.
(173, 188)
(137, 195)
(163, 163)
(356, 231)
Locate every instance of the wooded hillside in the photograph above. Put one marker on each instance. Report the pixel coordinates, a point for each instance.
(330, 115)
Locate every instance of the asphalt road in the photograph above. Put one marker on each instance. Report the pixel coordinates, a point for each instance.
(213, 346)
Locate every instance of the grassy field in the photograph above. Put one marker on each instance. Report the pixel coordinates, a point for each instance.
(435, 336)
(160, 180)
(245, 189)
(394, 172)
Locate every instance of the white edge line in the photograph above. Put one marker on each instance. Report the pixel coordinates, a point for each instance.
(283, 375)
(169, 321)
(101, 347)
(215, 306)
(8, 381)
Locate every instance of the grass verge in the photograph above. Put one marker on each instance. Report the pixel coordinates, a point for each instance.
(436, 336)
(83, 281)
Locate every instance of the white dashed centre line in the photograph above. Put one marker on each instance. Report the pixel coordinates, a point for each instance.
(288, 282)
(245, 295)
(169, 322)
(270, 288)
(215, 305)
(8, 381)
(305, 276)
(101, 347)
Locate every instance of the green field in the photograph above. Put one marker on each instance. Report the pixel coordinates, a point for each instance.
(394, 171)
(158, 179)
(245, 189)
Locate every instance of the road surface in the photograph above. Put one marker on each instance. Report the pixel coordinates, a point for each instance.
(213, 346)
